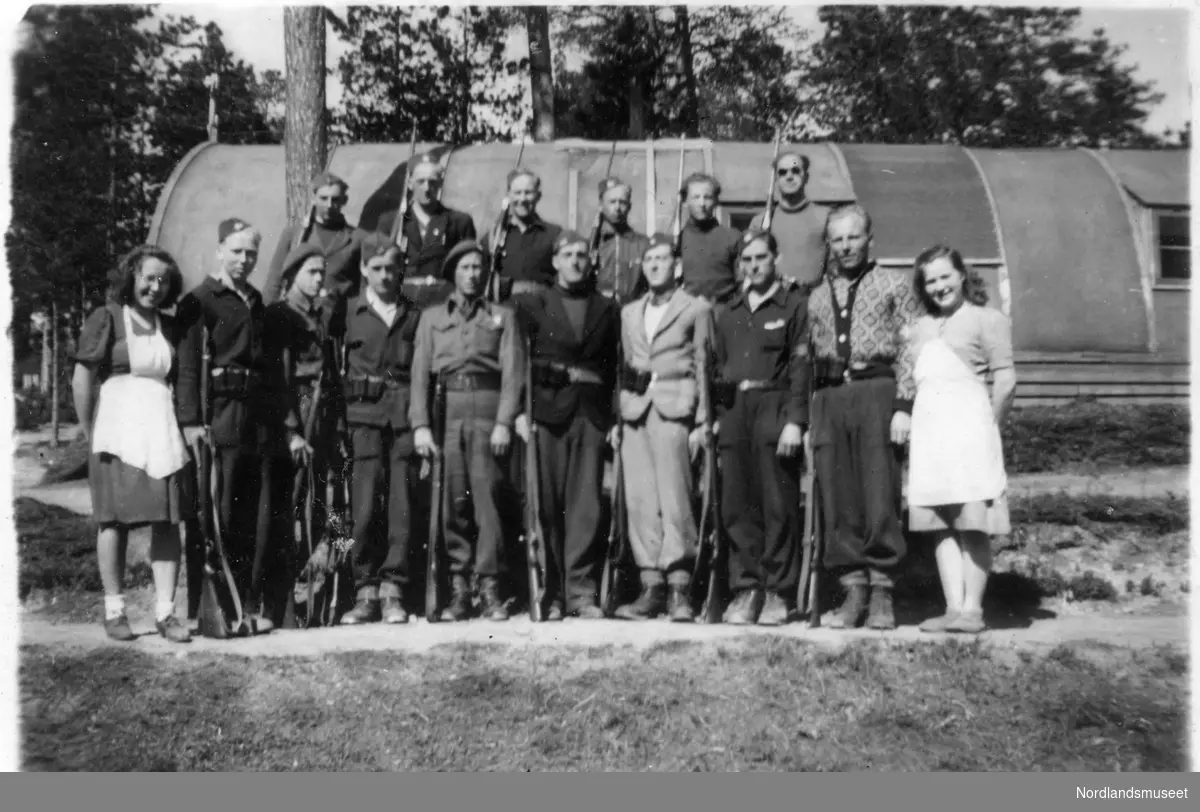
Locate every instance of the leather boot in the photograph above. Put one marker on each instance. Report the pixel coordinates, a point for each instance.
(776, 611)
(746, 608)
(853, 610)
(490, 605)
(391, 604)
(881, 615)
(366, 607)
(460, 600)
(650, 603)
(679, 604)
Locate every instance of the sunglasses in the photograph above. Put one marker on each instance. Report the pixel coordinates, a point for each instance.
(793, 170)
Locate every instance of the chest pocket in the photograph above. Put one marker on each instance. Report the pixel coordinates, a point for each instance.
(485, 338)
(772, 336)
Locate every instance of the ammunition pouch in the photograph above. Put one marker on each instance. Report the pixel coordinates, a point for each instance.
(370, 388)
(638, 382)
(235, 383)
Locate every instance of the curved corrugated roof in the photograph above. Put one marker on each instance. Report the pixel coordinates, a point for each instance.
(1072, 266)
(1155, 177)
(745, 171)
(919, 196)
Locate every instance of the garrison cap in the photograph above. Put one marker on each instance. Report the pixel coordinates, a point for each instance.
(329, 179)
(658, 240)
(296, 259)
(377, 244)
(450, 263)
(612, 183)
(231, 226)
(568, 237)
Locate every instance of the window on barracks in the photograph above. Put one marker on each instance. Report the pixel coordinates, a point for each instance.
(1173, 228)
(740, 214)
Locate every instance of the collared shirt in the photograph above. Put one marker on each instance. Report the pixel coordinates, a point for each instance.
(653, 315)
(243, 290)
(527, 254)
(461, 336)
(621, 252)
(884, 309)
(709, 254)
(386, 311)
(755, 301)
(767, 343)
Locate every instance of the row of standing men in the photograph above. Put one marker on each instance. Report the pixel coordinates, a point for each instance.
(640, 346)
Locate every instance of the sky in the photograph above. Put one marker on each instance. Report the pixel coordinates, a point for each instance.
(1155, 33)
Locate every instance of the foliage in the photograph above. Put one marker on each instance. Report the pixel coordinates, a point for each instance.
(976, 76)
(446, 67)
(33, 407)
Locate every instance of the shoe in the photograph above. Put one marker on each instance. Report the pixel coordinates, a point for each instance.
(968, 623)
(118, 628)
(366, 608)
(490, 605)
(881, 616)
(460, 600)
(588, 611)
(650, 603)
(776, 611)
(939, 624)
(392, 611)
(853, 610)
(746, 608)
(173, 630)
(679, 605)
(555, 612)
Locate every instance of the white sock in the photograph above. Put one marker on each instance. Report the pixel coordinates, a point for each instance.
(114, 606)
(163, 609)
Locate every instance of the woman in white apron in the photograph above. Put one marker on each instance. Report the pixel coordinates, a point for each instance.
(137, 468)
(957, 482)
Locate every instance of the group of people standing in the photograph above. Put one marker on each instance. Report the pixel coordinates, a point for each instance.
(375, 354)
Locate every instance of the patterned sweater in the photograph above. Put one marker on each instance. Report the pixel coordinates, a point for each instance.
(885, 307)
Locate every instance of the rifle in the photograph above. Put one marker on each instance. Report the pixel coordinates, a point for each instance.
(219, 597)
(610, 579)
(766, 223)
(534, 537)
(710, 567)
(491, 285)
(398, 234)
(306, 476)
(677, 226)
(433, 550)
(812, 540)
(594, 242)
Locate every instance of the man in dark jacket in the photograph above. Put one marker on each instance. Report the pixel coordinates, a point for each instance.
(573, 333)
(619, 271)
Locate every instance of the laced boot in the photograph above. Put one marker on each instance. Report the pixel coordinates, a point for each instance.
(746, 608)
(679, 604)
(391, 604)
(366, 607)
(460, 600)
(881, 616)
(490, 605)
(853, 610)
(650, 603)
(776, 611)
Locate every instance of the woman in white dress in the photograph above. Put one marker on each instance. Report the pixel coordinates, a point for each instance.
(957, 481)
(138, 468)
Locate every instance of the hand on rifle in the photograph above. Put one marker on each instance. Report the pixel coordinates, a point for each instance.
(195, 436)
(299, 448)
(522, 427)
(697, 439)
(501, 440)
(789, 441)
(423, 442)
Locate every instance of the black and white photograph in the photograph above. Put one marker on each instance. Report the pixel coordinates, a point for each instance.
(601, 388)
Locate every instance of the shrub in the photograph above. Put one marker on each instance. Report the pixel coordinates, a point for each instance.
(33, 408)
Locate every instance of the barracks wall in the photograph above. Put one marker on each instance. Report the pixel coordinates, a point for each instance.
(1071, 242)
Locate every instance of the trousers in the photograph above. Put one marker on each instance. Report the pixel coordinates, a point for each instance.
(385, 472)
(473, 489)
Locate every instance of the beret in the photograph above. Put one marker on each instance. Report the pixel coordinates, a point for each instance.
(297, 256)
(231, 226)
(660, 239)
(612, 183)
(458, 252)
(377, 244)
(568, 237)
(328, 179)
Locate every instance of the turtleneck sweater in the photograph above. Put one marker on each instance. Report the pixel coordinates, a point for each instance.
(800, 232)
(575, 301)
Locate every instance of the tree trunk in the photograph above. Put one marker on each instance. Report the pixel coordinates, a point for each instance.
(47, 356)
(304, 132)
(637, 110)
(691, 102)
(54, 377)
(537, 23)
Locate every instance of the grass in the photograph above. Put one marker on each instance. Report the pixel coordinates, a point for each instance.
(1087, 435)
(1160, 515)
(759, 704)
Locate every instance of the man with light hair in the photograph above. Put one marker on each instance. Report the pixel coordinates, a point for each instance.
(526, 260)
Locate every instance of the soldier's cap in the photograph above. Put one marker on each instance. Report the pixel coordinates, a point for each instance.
(329, 179)
(658, 240)
(612, 183)
(376, 244)
(450, 263)
(231, 226)
(568, 237)
(296, 258)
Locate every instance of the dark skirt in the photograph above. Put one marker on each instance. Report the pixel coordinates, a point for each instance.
(122, 494)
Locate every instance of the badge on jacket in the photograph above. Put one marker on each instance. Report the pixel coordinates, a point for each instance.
(775, 325)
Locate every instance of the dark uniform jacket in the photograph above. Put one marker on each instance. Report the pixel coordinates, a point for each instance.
(621, 254)
(342, 259)
(555, 345)
(239, 360)
(300, 350)
(379, 361)
(770, 344)
(423, 280)
(527, 255)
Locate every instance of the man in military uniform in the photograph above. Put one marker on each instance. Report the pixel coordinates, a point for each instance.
(666, 338)
(708, 249)
(618, 273)
(797, 223)
(859, 317)
(573, 333)
(430, 231)
(762, 396)
(379, 329)
(471, 345)
(526, 261)
(230, 311)
(326, 227)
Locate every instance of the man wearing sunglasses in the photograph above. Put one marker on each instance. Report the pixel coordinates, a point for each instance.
(797, 223)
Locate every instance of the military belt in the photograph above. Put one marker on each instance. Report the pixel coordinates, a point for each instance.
(725, 392)
(471, 381)
(556, 375)
(829, 372)
(639, 381)
(235, 381)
